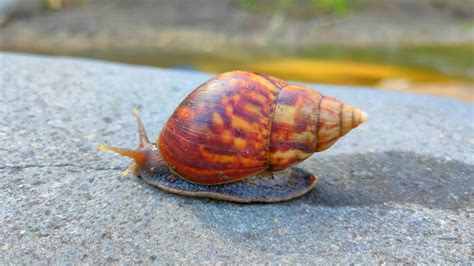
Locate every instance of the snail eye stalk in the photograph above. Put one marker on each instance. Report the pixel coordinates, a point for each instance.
(139, 155)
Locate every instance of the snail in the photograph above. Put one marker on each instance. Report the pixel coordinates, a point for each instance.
(237, 137)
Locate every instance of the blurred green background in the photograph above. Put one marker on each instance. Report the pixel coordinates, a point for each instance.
(420, 46)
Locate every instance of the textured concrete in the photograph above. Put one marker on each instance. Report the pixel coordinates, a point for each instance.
(397, 189)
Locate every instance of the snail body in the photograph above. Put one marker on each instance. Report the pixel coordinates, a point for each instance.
(237, 136)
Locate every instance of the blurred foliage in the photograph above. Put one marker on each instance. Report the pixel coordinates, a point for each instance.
(336, 6)
(58, 4)
(297, 8)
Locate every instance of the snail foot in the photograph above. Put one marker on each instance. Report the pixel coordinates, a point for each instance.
(264, 187)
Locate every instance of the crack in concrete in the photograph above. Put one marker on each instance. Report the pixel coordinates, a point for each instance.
(63, 165)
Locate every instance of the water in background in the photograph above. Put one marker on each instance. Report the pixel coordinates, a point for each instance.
(418, 46)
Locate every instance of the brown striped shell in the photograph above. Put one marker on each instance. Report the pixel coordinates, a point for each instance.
(239, 123)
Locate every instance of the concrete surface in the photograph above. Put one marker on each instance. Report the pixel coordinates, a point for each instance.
(397, 189)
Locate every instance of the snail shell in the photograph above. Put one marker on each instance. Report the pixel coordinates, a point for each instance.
(239, 124)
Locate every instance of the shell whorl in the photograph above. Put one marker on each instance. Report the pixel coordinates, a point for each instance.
(336, 119)
(220, 132)
(351, 118)
(306, 122)
(239, 123)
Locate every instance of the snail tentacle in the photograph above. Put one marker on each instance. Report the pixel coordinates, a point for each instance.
(142, 136)
(140, 155)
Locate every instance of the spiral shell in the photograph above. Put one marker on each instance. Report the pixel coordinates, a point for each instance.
(240, 123)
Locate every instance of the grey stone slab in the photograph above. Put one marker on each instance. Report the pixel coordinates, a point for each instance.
(397, 189)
